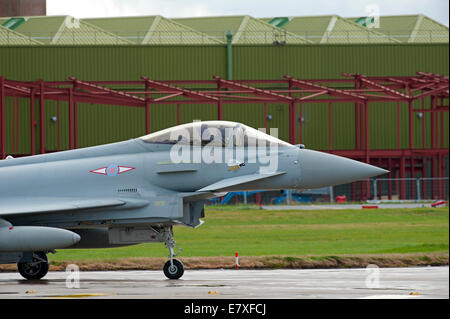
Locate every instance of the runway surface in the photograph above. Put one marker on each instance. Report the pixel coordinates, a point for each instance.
(427, 282)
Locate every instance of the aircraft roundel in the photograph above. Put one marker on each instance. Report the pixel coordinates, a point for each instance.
(112, 170)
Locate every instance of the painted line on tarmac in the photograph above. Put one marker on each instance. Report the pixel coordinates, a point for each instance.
(390, 297)
(80, 295)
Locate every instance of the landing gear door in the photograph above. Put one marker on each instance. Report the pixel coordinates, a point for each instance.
(167, 207)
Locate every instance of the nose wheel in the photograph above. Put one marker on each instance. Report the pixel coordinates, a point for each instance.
(173, 269)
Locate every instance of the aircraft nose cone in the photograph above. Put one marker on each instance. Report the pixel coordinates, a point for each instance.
(320, 169)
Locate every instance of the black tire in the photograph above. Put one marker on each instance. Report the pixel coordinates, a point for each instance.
(35, 270)
(175, 271)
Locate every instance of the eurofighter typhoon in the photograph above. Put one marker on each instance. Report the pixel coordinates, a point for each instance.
(135, 191)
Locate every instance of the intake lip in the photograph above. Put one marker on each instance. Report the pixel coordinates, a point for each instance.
(320, 169)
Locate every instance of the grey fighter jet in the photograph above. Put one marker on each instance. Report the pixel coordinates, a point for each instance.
(135, 191)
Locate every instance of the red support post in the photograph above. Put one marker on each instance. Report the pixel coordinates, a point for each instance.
(361, 125)
(13, 125)
(258, 198)
(433, 123)
(396, 176)
(265, 117)
(292, 124)
(440, 175)
(16, 141)
(442, 125)
(292, 117)
(219, 103)
(412, 175)
(42, 116)
(423, 122)
(390, 176)
(402, 176)
(75, 124)
(433, 175)
(147, 108)
(220, 110)
(398, 126)
(32, 122)
(367, 133)
(300, 123)
(58, 123)
(357, 85)
(147, 117)
(330, 127)
(424, 173)
(380, 189)
(411, 125)
(71, 124)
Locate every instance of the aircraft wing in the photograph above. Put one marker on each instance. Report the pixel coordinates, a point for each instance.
(224, 184)
(36, 205)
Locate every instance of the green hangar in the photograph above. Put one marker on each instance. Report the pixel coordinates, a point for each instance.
(374, 92)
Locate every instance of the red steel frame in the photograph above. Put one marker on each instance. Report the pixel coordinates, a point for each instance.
(354, 88)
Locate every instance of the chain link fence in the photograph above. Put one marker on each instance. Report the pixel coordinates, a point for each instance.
(393, 189)
(383, 189)
(278, 37)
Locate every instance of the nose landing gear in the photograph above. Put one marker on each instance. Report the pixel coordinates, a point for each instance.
(173, 269)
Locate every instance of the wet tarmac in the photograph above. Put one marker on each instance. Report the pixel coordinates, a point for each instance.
(426, 282)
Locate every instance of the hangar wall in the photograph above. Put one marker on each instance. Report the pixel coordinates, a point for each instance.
(103, 124)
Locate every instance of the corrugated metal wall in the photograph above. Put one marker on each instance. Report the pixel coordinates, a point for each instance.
(103, 124)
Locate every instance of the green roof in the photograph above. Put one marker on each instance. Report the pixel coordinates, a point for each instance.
(66, 30)
(245, 29)
(409, 28)
(8, 37)
(212, 30)
(42, 29)
(152, 30)
(332, 29)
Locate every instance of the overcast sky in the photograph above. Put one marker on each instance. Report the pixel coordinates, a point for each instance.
(436, 9)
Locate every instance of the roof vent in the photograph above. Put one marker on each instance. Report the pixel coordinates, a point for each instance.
(365, 21)
(14, 23)
(279, 21)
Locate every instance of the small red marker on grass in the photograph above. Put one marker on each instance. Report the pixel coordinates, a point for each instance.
(438, 203)
(236, 263)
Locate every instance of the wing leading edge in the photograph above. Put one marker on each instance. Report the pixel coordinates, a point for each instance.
(37, 205)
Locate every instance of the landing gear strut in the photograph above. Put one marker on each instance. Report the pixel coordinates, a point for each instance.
(173, 269)
(36, 268)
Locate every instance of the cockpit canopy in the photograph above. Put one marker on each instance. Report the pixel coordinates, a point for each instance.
(214, 133)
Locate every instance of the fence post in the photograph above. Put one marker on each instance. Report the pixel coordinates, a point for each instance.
(418, 189)
(331, 195)
(375, 189)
